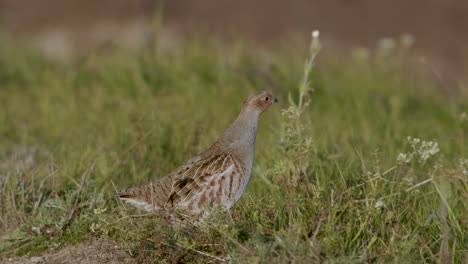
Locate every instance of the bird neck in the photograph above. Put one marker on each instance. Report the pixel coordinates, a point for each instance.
(241, 134)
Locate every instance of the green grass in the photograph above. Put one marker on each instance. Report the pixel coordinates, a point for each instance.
(72, 133)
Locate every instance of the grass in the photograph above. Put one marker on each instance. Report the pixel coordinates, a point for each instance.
(326, 185)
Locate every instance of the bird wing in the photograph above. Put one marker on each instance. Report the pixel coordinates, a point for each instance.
(184, 183)
(192, 177)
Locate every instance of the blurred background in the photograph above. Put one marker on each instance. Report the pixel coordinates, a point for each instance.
(59, 28)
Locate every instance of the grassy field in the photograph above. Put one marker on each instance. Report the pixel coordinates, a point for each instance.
(337, 180)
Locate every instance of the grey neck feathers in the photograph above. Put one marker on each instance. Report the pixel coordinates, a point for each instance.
(241, 134)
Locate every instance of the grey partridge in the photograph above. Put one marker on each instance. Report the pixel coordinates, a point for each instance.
(215, 178)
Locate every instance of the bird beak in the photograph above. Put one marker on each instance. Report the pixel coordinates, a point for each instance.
(275, 100)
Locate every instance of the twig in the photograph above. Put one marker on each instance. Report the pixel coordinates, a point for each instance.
(202, 253)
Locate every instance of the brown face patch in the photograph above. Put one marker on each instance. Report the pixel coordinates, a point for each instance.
(260, 101)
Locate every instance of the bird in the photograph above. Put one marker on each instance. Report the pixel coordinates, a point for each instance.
(216, 178)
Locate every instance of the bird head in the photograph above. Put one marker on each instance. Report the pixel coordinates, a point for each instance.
(259, 102)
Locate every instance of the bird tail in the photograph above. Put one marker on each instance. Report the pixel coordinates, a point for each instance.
(125, 194)
(137, 196)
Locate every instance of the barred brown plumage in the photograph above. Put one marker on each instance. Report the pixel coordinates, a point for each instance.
(217, 177)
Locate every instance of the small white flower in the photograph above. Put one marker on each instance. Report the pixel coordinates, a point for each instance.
(315, 47)
(404, 158)
(315, 33)
(413, 142)
(427, 149)
(386, 44)
(423, 149)
(379, 204)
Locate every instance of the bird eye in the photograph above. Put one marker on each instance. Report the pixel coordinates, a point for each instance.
(267, 98)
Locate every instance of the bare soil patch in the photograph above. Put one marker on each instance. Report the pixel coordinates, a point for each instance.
(94, 251)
